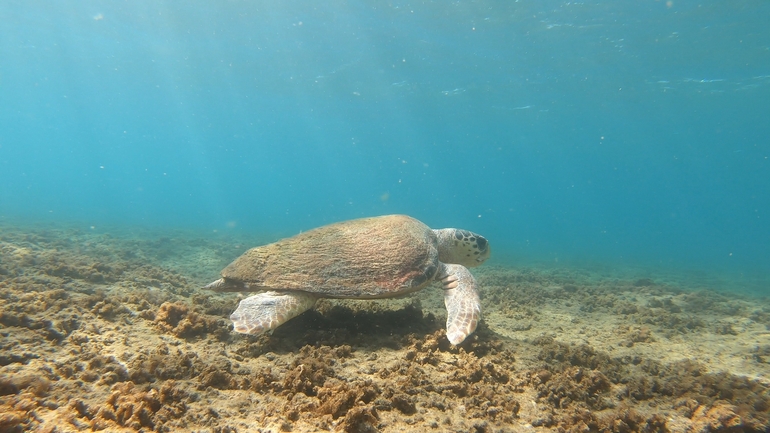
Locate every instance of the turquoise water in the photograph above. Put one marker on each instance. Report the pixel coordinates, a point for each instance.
(608, 132)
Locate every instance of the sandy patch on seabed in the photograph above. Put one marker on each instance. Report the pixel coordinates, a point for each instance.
(109, 333)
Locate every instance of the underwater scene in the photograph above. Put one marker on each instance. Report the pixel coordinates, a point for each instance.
(385, 216)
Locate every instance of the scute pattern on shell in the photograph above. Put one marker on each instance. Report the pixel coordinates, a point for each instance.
(364, 258)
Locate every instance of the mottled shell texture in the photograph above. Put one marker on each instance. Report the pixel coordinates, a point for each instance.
(365, 258)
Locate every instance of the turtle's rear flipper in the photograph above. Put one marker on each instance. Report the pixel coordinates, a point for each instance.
(227, 285)
(268, 310)
(462, 302)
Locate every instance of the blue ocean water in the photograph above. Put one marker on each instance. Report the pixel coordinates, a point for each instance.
(606, 131)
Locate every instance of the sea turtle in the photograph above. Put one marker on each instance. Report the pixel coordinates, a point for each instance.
(367, 258)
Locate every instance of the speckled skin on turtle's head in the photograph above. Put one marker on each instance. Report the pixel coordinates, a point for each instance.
(462, 247)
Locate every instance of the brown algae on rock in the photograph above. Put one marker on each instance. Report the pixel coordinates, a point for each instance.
(106, 333)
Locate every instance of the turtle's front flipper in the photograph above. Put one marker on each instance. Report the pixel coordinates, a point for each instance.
(268, 310)
(462, 302)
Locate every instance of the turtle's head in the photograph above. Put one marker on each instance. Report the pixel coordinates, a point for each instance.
(462, 247)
